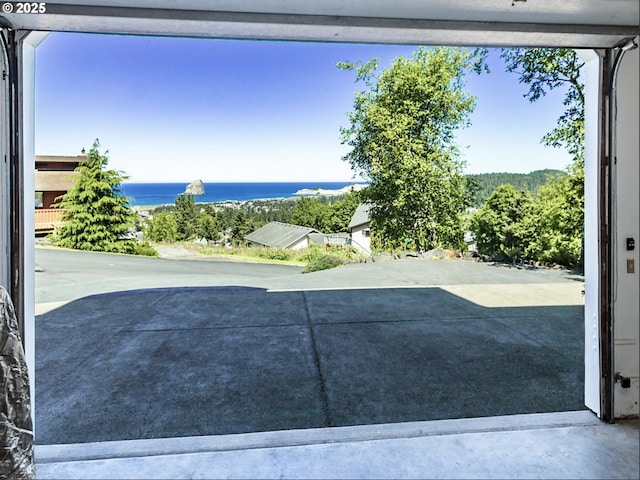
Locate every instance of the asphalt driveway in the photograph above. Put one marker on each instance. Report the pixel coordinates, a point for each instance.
(206, 360)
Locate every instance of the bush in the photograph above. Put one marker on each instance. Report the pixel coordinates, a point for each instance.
(323, 263)
(162, 228)
(314, 252)
(310, 254)
(145, 249)
(275, 254)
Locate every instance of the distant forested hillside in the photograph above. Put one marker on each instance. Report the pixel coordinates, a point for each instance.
(486, 183)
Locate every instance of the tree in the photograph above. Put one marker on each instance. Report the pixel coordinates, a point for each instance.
(554, 223)
(402, 138)
(96, 215)
(342, 212)
(162, 228)
(498, 225)
(310, 212)
(472, 191)
(186, 215)
(209, 224)
(545, 69)
(240, 227)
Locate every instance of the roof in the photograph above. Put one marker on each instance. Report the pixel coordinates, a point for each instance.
(279, 235)
(361, 215)
(316, 238)
(60, 158)
(54, 181)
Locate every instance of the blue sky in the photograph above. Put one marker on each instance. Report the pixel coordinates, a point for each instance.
(175, 109)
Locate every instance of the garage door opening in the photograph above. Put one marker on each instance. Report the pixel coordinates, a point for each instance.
(373, 342)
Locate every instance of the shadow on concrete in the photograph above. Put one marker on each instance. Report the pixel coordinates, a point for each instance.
(218, 360)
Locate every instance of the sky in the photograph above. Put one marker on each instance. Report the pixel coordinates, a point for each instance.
(177, 109)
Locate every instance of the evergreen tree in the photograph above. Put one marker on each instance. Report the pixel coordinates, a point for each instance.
(186, 215)
(96, 215)
(240, 227)
(209, 224)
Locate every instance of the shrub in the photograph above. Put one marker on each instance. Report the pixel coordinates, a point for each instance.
(314, 252)
(310, 254)
(275, 254)
(323, 263)
(145, 249)
(162, 228)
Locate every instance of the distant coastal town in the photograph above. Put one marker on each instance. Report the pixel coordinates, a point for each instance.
(356, 187)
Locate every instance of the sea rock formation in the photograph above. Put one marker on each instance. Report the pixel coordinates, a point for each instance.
(195, 188)
(16, 431)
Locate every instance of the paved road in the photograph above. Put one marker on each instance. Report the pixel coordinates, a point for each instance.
(63, 275)
(229, 347)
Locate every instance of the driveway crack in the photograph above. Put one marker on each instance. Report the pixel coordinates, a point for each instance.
(324, 398)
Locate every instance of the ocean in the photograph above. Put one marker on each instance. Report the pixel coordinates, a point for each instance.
(149, 194)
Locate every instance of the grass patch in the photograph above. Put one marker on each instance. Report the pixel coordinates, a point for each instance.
(324, 262)
(302, 257)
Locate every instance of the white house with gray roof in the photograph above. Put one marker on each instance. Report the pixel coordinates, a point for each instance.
(360, 228)
(284, 235)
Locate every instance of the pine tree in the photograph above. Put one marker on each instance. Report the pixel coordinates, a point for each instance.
(96, 214)
(186, 215)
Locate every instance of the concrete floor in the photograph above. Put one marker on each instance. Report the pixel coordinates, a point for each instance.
(222, 360)
(550, 446)
(329, 375)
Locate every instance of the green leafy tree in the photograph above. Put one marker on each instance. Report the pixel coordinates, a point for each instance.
(498, 225)
(342, 212)
(186, 215)
(162, 228)
(96, 215)
(554, 223)
(545, 69)
(310, 212)
(402, 138)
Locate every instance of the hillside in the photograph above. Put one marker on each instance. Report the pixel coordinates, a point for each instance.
(488, 182)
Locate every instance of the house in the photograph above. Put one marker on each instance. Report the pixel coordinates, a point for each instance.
(54, 176)
(284, 235)
(360, 228)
